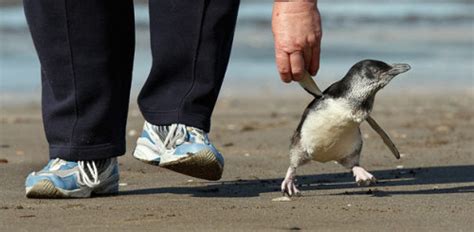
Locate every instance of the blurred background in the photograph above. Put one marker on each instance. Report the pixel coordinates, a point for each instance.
(436, 37)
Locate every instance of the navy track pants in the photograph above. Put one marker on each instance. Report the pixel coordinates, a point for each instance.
(86, 50)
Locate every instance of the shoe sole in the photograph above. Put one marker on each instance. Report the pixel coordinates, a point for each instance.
(203, 165)
(45, 189)
(152, 162)
(144, 151)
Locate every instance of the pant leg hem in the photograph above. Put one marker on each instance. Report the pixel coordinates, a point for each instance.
(96, 152)
(170, 117)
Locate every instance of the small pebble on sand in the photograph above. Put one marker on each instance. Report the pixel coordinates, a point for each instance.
(443, 128)
(231, 127)
(132, 133)
(281, 199)
(230, 144)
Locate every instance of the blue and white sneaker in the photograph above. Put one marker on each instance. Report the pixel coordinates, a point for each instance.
(67, 179)
(180, 148)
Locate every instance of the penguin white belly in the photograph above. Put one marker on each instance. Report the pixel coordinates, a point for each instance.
(331, 132)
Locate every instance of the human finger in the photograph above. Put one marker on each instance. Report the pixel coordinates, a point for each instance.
(315, 59)
(297, 65)
(282, 60)
(307, 54)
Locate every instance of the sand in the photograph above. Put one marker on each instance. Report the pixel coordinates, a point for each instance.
(430, 189)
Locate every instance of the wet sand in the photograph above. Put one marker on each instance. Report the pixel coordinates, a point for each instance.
(430, 189)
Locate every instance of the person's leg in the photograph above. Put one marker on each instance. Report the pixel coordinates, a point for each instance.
(191, 42)
(86, 53)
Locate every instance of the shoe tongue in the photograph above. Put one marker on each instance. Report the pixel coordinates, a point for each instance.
(162, 132)
(101, 165)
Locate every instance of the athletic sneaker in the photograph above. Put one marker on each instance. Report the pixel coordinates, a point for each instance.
(180, 148)
(67, 179)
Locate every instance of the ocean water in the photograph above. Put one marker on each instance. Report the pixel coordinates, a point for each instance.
(435, 37)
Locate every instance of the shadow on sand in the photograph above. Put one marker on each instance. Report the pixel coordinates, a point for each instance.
(386, 178)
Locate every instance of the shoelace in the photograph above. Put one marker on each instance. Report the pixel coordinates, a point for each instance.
(177, 135)
(85, 179)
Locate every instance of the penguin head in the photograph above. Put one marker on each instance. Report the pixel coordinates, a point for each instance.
(367, 77)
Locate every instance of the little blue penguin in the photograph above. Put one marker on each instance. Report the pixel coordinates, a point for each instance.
(329, 129)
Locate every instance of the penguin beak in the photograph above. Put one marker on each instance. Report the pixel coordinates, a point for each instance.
(398, 68)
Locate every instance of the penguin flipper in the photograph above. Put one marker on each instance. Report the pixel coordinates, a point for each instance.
(384, 136)
(310, 86)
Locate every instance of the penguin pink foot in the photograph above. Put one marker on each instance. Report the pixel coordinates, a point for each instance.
(288, 186)
(362, 177)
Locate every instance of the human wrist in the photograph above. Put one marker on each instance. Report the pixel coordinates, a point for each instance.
(294, 6)
(310, 1)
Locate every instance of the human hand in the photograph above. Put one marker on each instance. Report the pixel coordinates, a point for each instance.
(296, 27)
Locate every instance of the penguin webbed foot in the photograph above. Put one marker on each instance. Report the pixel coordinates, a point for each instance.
(288, 186)
(289, 189)
(362, 177)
